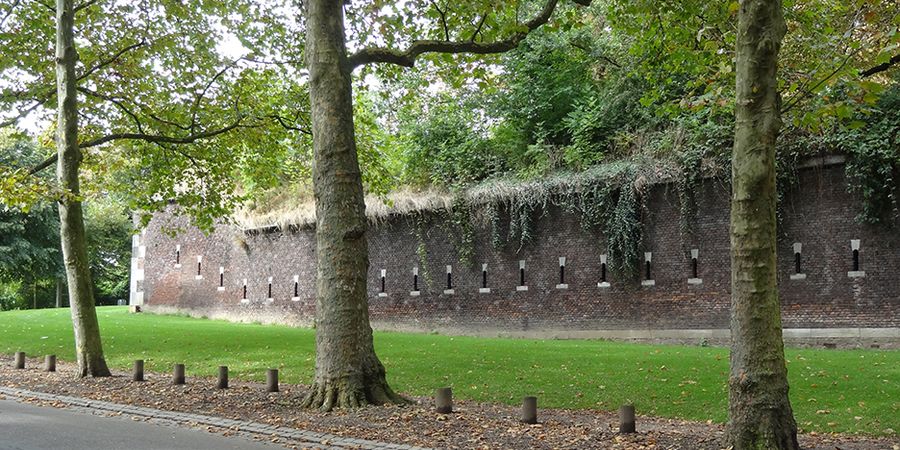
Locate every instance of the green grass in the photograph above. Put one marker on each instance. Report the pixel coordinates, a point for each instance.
(850, 391)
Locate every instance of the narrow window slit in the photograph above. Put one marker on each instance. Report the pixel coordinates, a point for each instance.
(449, 290)
(648, 280)
(484, 288)
(695, 268)
(798, 260)
(415, 292)
(603, 282)
(522, 286)
(383, 276)
(856, 272)
(562, 274)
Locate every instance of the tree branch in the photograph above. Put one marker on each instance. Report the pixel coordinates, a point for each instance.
(9, 11)
(591, 53)
(880, 68)
(478, 27)
(38, 103)
(202, 94)
(407, 58)
(794, 100)
(47, 163)
(287, 126)
(50, 7)
(155, 139)
(115, 101)
(443, 20)
(114, 58)
(84, 5)
(158, 139)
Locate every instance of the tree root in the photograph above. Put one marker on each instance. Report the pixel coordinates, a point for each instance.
(344, 393)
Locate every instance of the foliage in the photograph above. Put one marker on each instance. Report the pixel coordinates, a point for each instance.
(10, 297)
(443, 148)
(874, 162)
(29, 244)
(152, 78)
(546, 78)
(598, 119)
(675, 381)
(30, 256)
(18, 189)
(108, 228)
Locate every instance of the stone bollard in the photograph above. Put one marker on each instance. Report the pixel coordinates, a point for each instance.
(223, 378)
(443, 400)
(272, 380)
(138, 373)
(20, 360)
(626, 419)
(50, 363)
(529, 410)
(178, 374)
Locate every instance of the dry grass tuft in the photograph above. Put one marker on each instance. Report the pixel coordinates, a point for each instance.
(300, 211)
(295, 206)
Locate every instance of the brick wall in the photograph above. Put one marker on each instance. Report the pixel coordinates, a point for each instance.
(818, 213)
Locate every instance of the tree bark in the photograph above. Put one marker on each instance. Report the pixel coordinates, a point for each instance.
(348, 373)
(88, 348)
(760, 415)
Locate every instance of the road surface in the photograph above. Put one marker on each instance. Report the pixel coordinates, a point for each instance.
(28, 427)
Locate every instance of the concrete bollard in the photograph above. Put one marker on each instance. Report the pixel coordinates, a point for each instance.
(443, 400)
(178, 374)
(272, 380)
(20, 360)
(50, 363)
(137, 374)
(626, 419)
(223, 378)
(529, 410)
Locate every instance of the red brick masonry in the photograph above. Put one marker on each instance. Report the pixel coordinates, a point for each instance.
(818, 213)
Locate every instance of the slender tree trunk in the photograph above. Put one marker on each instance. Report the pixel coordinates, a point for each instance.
(760, 415)
(88, 348)
(58, 293)
(348, 373)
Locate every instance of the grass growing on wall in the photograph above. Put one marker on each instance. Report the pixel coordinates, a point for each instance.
(851, 391)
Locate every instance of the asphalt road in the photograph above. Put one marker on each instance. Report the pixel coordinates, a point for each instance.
(28, 427)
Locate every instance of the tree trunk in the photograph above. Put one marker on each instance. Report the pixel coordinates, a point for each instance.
(760, 415)
(88, 348)
(348, 373)
(58, 293)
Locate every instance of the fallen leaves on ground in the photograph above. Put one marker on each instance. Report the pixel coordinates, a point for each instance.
(472, 425)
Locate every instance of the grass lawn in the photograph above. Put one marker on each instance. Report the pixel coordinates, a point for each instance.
(849, 391)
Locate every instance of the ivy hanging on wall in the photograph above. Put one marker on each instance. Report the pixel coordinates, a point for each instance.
(421, 222)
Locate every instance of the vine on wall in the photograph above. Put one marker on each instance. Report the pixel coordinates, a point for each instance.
(422, 249)
(608, 199)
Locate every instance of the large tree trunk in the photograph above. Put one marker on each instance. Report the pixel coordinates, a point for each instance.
(760, 415)
(88, 348)
(348, 373)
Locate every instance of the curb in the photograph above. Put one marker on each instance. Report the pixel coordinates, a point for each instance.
(312, 439)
